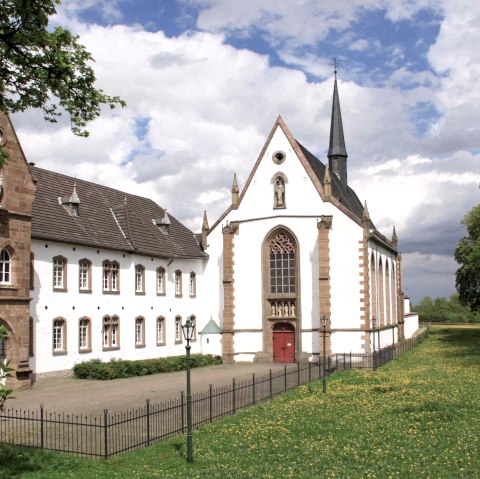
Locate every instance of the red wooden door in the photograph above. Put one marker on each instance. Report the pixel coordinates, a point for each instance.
(283, 343)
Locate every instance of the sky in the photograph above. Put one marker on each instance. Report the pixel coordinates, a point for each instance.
(205, 80)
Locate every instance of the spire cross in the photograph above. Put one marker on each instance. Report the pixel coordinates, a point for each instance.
(335, 64)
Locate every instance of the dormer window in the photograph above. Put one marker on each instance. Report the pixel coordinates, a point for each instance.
(71, 203)
(163, 224)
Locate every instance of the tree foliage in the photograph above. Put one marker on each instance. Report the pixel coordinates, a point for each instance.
(46, 68)
(5, 393)
(467, 255)
(442, 310)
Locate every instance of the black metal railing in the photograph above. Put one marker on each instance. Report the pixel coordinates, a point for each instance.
(110, 434)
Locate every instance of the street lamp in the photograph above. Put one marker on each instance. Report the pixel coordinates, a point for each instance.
(324, 326)
(188, 330)
(374, 323)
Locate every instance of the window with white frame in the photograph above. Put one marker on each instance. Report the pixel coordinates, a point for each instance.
(160, 331)
(84, 335)
(193, 319)
(111, 277)
(178, 283)
(193, 284)
(111, 332)
(3, 348)
(59, 336)
(178, 329)
(5, 267)
(139, 331)
(160, 281)
(139, 279)
(59, 273)
(84, 275)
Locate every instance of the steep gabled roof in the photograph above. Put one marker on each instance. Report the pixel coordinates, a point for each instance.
(343, 197)
(108, 218)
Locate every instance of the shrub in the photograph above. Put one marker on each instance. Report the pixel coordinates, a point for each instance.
(122, 368)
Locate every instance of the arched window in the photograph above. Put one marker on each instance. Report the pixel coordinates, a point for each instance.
(161, 331)
(111, 276)
(160, 280)
(59, 273)
(59, 336)
(84, 335)
(111, 332)
(373, 281)
(388, 294)
(139, 332)
(5, 267)
(282, 264)
(193, 284)
(85, 276)
(178, 329)
(139, 279)
(178, 283)
(381, 293)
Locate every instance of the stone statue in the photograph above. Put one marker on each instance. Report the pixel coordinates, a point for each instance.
(279, 192)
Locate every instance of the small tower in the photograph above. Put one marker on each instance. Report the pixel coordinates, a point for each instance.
(204, 231)
(235, 191)
(394, 237)
(337, 153)
(366, 221)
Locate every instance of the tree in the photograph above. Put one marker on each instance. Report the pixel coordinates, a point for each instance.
(47, 69)
(4, 373)
(467, 254)
(441, 310)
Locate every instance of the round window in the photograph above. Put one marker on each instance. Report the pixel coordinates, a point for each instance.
(278, 157)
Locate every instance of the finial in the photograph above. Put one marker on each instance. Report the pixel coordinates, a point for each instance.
(394, 237)
(335, 64)
(235, 191)
(366, 214)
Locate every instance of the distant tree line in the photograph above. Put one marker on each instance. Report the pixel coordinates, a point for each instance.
(442, 310)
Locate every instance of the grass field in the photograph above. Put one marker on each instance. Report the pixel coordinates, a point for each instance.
(417, 417)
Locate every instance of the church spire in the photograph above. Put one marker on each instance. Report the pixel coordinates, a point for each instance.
(337, 153)
(235, 191)
(204, 230)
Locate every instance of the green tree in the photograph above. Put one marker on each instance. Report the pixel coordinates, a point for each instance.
(442, 310)
(46, 68)
(5, 393)
(467, 255)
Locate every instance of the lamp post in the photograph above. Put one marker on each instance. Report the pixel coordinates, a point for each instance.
(188, 329)
(374, 323)
(324, 326)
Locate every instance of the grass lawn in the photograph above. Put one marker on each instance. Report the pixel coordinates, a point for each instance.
(417, 417)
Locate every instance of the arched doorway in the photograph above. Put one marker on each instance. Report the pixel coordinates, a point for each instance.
(283, 343)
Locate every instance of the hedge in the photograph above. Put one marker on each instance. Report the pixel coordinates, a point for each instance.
(121, 368)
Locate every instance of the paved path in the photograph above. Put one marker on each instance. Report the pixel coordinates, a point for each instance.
(70, 395)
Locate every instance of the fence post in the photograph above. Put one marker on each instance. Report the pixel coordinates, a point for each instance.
(182, 408)
(233, 396)
(253, 388)
(350, 359)
(271, 388)
(298, 374)
(41, 427)
(309, 371)
(105, 433)
(148, 422)
(210, 402)
(285, 377)
(344, 361)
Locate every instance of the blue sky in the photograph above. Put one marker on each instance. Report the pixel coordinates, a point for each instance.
(205, 80)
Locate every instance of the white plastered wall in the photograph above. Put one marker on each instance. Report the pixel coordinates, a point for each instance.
(72, 305)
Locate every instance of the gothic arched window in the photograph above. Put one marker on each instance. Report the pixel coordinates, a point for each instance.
(282, 264)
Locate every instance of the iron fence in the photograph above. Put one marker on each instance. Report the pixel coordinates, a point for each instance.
(110, 434)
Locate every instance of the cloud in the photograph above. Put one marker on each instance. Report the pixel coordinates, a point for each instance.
(199, 104)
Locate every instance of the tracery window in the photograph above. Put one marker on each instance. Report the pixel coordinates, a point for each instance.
(111, 273)
(111, 329)
(282, 264)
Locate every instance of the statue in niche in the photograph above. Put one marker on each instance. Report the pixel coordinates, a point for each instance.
(292, 309)
(286, 309)
(280, 310)
(273, 309)
(279, 192)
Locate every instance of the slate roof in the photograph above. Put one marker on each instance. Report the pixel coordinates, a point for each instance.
(343, 193)
(337, 140)
(108, 218)
(211, 328)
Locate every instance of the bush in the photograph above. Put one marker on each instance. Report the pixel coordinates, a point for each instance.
(122, 368)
